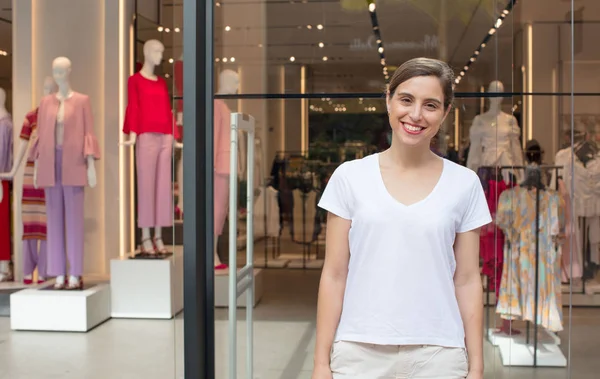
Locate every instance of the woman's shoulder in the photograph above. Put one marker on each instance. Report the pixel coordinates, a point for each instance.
(356, 168)
(460, 176)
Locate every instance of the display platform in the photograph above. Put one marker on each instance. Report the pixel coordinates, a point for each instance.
(147, 288)
(222, 289)
(514, 351)
(42, 308)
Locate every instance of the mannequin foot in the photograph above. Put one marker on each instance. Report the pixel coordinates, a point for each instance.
(28, 279)
(147, 248)
(221, 266)
(160, 246)
(59, 284)
(75, 283)
(506, 328)
(41, 279)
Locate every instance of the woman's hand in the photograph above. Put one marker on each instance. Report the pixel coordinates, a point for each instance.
(321, 372)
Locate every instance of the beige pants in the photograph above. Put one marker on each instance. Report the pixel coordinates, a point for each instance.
(352, 360)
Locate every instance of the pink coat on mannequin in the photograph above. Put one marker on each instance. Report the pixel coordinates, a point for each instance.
(79, 140)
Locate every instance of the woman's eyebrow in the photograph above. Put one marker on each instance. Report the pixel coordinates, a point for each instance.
(412, 97)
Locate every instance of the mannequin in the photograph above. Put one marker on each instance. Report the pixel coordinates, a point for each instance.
(495, 138)
(6, 141)
(149, 122)
(228, 84)
(64, 156)
(33, 205)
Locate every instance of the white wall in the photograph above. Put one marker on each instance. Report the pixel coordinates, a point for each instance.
(88, 33)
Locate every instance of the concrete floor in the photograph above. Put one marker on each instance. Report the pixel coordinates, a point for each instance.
(284, 340)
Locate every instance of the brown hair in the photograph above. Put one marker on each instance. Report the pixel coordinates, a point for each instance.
(425, 67)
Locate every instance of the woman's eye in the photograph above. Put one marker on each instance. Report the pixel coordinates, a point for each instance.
(405, 100)
(431, 106)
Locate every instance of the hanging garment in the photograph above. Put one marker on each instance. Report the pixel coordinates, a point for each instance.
(6, 149)
(586, 178)
(570, 263)
(305, 212)
(33, 203)
(516, 216)
(495, 142)
(491, 239)
(266, 213)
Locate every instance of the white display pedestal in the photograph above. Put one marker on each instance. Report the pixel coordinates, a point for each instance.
(514, 351)
(147, 288)
(44, 309)
(222, 289)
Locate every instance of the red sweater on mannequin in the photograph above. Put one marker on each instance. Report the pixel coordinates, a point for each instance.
(149, 107)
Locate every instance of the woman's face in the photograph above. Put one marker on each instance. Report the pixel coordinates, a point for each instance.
(416, 110)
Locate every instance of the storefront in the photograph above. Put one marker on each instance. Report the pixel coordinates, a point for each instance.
(153, 86)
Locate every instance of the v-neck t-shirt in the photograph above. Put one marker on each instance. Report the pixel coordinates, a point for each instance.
(400, 287)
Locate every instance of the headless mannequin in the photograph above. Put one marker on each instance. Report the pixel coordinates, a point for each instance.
(495, 138)
(153, 54)
(23, 144)
(5, 274)
(61, 72)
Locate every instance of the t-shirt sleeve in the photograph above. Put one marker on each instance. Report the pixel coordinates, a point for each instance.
(336, 196)
(477, 213)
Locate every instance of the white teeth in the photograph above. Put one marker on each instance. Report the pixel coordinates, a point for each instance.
(413, 128)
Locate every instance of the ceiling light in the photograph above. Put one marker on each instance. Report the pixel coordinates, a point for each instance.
(325, 58)
(309, 27)
(466, 68)
(260, 45)
(472, 59)
(372, 7)
(498, 23)
(217, 59)
(381, 49)
(476, 52)
(321, 44)
(225, 60)
(217, 4)
(160, 28)
(167, 30)
(232, 59)
(177, 30)
(492, 31)
(227, 28)
(292, 59)
(171, 60)
(167, 75)
(320, 27)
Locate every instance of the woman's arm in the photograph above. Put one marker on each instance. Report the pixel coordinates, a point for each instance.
(469, 293)
(331, 288)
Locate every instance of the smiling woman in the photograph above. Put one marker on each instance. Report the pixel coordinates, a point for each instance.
(409, 302)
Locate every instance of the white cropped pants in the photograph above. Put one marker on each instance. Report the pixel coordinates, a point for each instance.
(353, 360)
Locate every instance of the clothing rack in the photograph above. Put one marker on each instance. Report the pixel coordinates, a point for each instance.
(537, 255)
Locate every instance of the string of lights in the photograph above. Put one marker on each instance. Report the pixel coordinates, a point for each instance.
(497, 24)
(378, 39)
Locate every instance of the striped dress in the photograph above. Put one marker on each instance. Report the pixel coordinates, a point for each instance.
(33, 202)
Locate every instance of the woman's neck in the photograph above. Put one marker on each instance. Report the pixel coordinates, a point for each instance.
(409, 156)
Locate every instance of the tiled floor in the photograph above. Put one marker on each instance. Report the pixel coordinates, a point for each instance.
(284, 339)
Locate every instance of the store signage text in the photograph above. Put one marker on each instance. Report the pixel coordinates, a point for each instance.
(429, 43)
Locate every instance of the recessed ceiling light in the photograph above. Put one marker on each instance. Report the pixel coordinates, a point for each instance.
(171, 60)
(225, 60)
(292, 59)
(160, 28)
(321, 44)
(308, 26)
(227, 28)
(372, 7)
(177, 30)
(232, 59)
(325, 58)
(381, 49)
(167, 30)
(319, 26)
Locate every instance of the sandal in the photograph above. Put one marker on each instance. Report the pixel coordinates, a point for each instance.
(146, 253)
(162, 251)
(78, 286)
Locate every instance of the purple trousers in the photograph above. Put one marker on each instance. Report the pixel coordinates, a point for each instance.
(153, 154)
(64, 212)
(32, 257)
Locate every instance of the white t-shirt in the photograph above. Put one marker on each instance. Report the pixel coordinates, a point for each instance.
(400, 288)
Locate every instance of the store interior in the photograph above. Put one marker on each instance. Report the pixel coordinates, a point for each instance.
(312, 76)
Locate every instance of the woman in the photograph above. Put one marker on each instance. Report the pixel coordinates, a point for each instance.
(400, 293)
